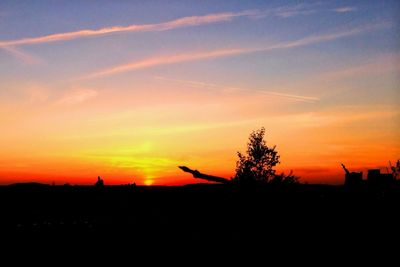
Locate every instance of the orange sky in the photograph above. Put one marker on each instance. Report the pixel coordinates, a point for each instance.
(131, 99)
(125, 141)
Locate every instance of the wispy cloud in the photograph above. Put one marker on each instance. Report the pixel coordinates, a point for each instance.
(314, 39)
(293, 13)
(283, 11)
(169, 25)
(287, 11)
(164, 60)
(236, 89)
(345, 9)
(296, 10)
(173, 59)
(23, 56)
(77, 96)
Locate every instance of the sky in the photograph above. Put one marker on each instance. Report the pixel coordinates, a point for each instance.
(129, 90)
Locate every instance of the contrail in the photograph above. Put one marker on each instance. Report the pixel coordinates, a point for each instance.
(169, 25)
(218, 87)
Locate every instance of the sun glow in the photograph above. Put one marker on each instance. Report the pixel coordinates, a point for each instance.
(148, 182)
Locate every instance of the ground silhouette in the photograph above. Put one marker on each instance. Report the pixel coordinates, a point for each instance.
(276, 214)
(280, 219)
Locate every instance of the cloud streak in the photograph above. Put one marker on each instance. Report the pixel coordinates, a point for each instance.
(164, 60)
(77, 96)
(23, 56)
(173, 59)
(228, 88)
(293, 11)
(314, 39)
(345, 9)
(190, 21)
(169, 25)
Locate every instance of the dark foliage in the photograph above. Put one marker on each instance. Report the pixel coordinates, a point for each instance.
(395, 169)
(257, 166)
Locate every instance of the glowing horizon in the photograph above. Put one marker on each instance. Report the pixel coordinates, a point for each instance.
(128, 92)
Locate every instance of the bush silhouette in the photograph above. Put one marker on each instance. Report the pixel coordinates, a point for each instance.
(257, 166)
(395, 169)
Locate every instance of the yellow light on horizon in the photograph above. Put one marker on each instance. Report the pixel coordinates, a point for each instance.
(148, 182)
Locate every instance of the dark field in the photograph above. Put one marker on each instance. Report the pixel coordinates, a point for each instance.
(287, 217)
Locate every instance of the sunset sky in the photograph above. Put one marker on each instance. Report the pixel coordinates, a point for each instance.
(129, 90)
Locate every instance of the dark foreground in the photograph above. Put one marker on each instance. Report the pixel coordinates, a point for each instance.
(301, 216)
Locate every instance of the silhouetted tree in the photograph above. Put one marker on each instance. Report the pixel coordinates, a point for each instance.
(257, 166)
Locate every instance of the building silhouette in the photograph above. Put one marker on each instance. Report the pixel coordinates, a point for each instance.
(374, 178)
(352, 179)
